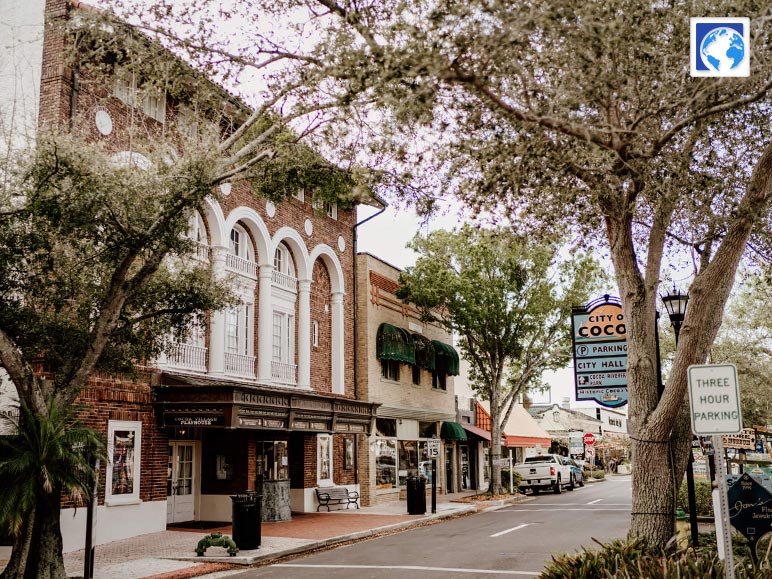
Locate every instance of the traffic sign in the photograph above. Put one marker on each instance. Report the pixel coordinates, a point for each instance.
(433, 448)
(589, 439)
(714, 399)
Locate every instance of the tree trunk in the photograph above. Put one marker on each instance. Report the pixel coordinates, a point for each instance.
(653, 509)
(495, 454)
(21, 545)
(46, 561)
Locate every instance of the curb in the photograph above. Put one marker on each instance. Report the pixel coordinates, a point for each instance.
(321, 543)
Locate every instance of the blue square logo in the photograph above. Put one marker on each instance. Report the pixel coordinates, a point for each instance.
(720, 47)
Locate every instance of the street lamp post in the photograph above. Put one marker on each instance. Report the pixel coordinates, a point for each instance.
(675, 304)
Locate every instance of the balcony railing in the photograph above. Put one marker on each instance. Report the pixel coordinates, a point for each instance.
(241, 265)
(285, 281)
(239, 365)
(284, 373)
(203, 252)
(187, 356)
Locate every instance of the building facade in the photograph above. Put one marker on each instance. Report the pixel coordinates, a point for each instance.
(264, 395)
(406, 366)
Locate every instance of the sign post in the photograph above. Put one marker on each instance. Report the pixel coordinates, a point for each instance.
(433, 451)
(714, 401)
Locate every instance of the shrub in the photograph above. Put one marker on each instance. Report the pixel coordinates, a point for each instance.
(702, 494)
(636, 559)
(505, 474)
(598, 474)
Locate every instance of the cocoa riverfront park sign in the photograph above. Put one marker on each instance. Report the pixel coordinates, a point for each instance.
(600, 352)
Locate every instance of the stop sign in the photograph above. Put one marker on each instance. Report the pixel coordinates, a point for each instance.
(589, 439)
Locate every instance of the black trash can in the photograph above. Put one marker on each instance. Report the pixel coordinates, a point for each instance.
(246, 520)
(416, 495)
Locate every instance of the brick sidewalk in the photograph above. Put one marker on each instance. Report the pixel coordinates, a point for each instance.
(170, 554)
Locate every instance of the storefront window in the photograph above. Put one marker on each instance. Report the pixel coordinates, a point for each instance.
(385, 464)
(124, 440)
(324, 460)
(413, 461)
(272, 460)
(408, 460)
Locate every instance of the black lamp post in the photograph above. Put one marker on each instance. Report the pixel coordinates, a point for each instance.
(675, 304)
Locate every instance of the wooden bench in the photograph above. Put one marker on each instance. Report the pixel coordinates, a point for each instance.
(336, 496)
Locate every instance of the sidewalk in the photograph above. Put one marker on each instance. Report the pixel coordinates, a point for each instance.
(170, 554)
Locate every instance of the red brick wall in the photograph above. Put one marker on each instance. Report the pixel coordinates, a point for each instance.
(309, 461)
(108, 399)
(342, 476)
(321, 312)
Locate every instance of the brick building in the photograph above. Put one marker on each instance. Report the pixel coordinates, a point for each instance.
(265, 393)
(406, 365)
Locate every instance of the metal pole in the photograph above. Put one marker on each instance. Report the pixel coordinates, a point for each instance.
(692, 499)
(88, 560)
(511, 482)
(690, 474)
(434, 485)
(721, 509)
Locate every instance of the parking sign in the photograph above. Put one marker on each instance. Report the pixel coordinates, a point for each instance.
(714, 399)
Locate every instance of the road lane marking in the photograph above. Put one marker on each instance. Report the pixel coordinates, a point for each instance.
(411, 568)
(553, 510)
(569, 505)
(595, 501)
(510, 530)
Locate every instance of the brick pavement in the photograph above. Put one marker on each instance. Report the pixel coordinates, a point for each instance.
(170, 554)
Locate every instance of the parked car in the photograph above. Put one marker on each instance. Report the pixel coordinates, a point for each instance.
(545, 472)
(577, 471)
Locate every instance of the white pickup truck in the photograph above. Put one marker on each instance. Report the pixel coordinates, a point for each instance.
(545, 472)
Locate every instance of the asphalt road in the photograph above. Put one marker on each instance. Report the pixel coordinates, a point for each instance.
(515, 541)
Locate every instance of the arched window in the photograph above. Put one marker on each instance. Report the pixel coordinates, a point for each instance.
(241, 244)
(282, 260)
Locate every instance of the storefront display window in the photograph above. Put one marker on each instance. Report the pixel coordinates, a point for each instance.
(124, 446)
(272, 460)
(324, 460)
(385, 464)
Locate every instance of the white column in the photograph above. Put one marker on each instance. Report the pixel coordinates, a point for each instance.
(338, 385)
(217, 323)
(264, 321)
(304, 334)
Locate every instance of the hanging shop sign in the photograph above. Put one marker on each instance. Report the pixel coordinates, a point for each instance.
(600, 352)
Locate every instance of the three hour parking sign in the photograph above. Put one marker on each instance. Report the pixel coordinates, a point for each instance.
(714, 399)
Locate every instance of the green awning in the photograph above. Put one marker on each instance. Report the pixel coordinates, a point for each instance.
(446, 358)
(393, 343)
(424, 352)
(452, 431)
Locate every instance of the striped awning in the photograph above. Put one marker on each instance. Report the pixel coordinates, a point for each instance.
(446, 358)
(393, 343)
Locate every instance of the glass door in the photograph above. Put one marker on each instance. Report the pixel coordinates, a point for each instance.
(180, 482)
